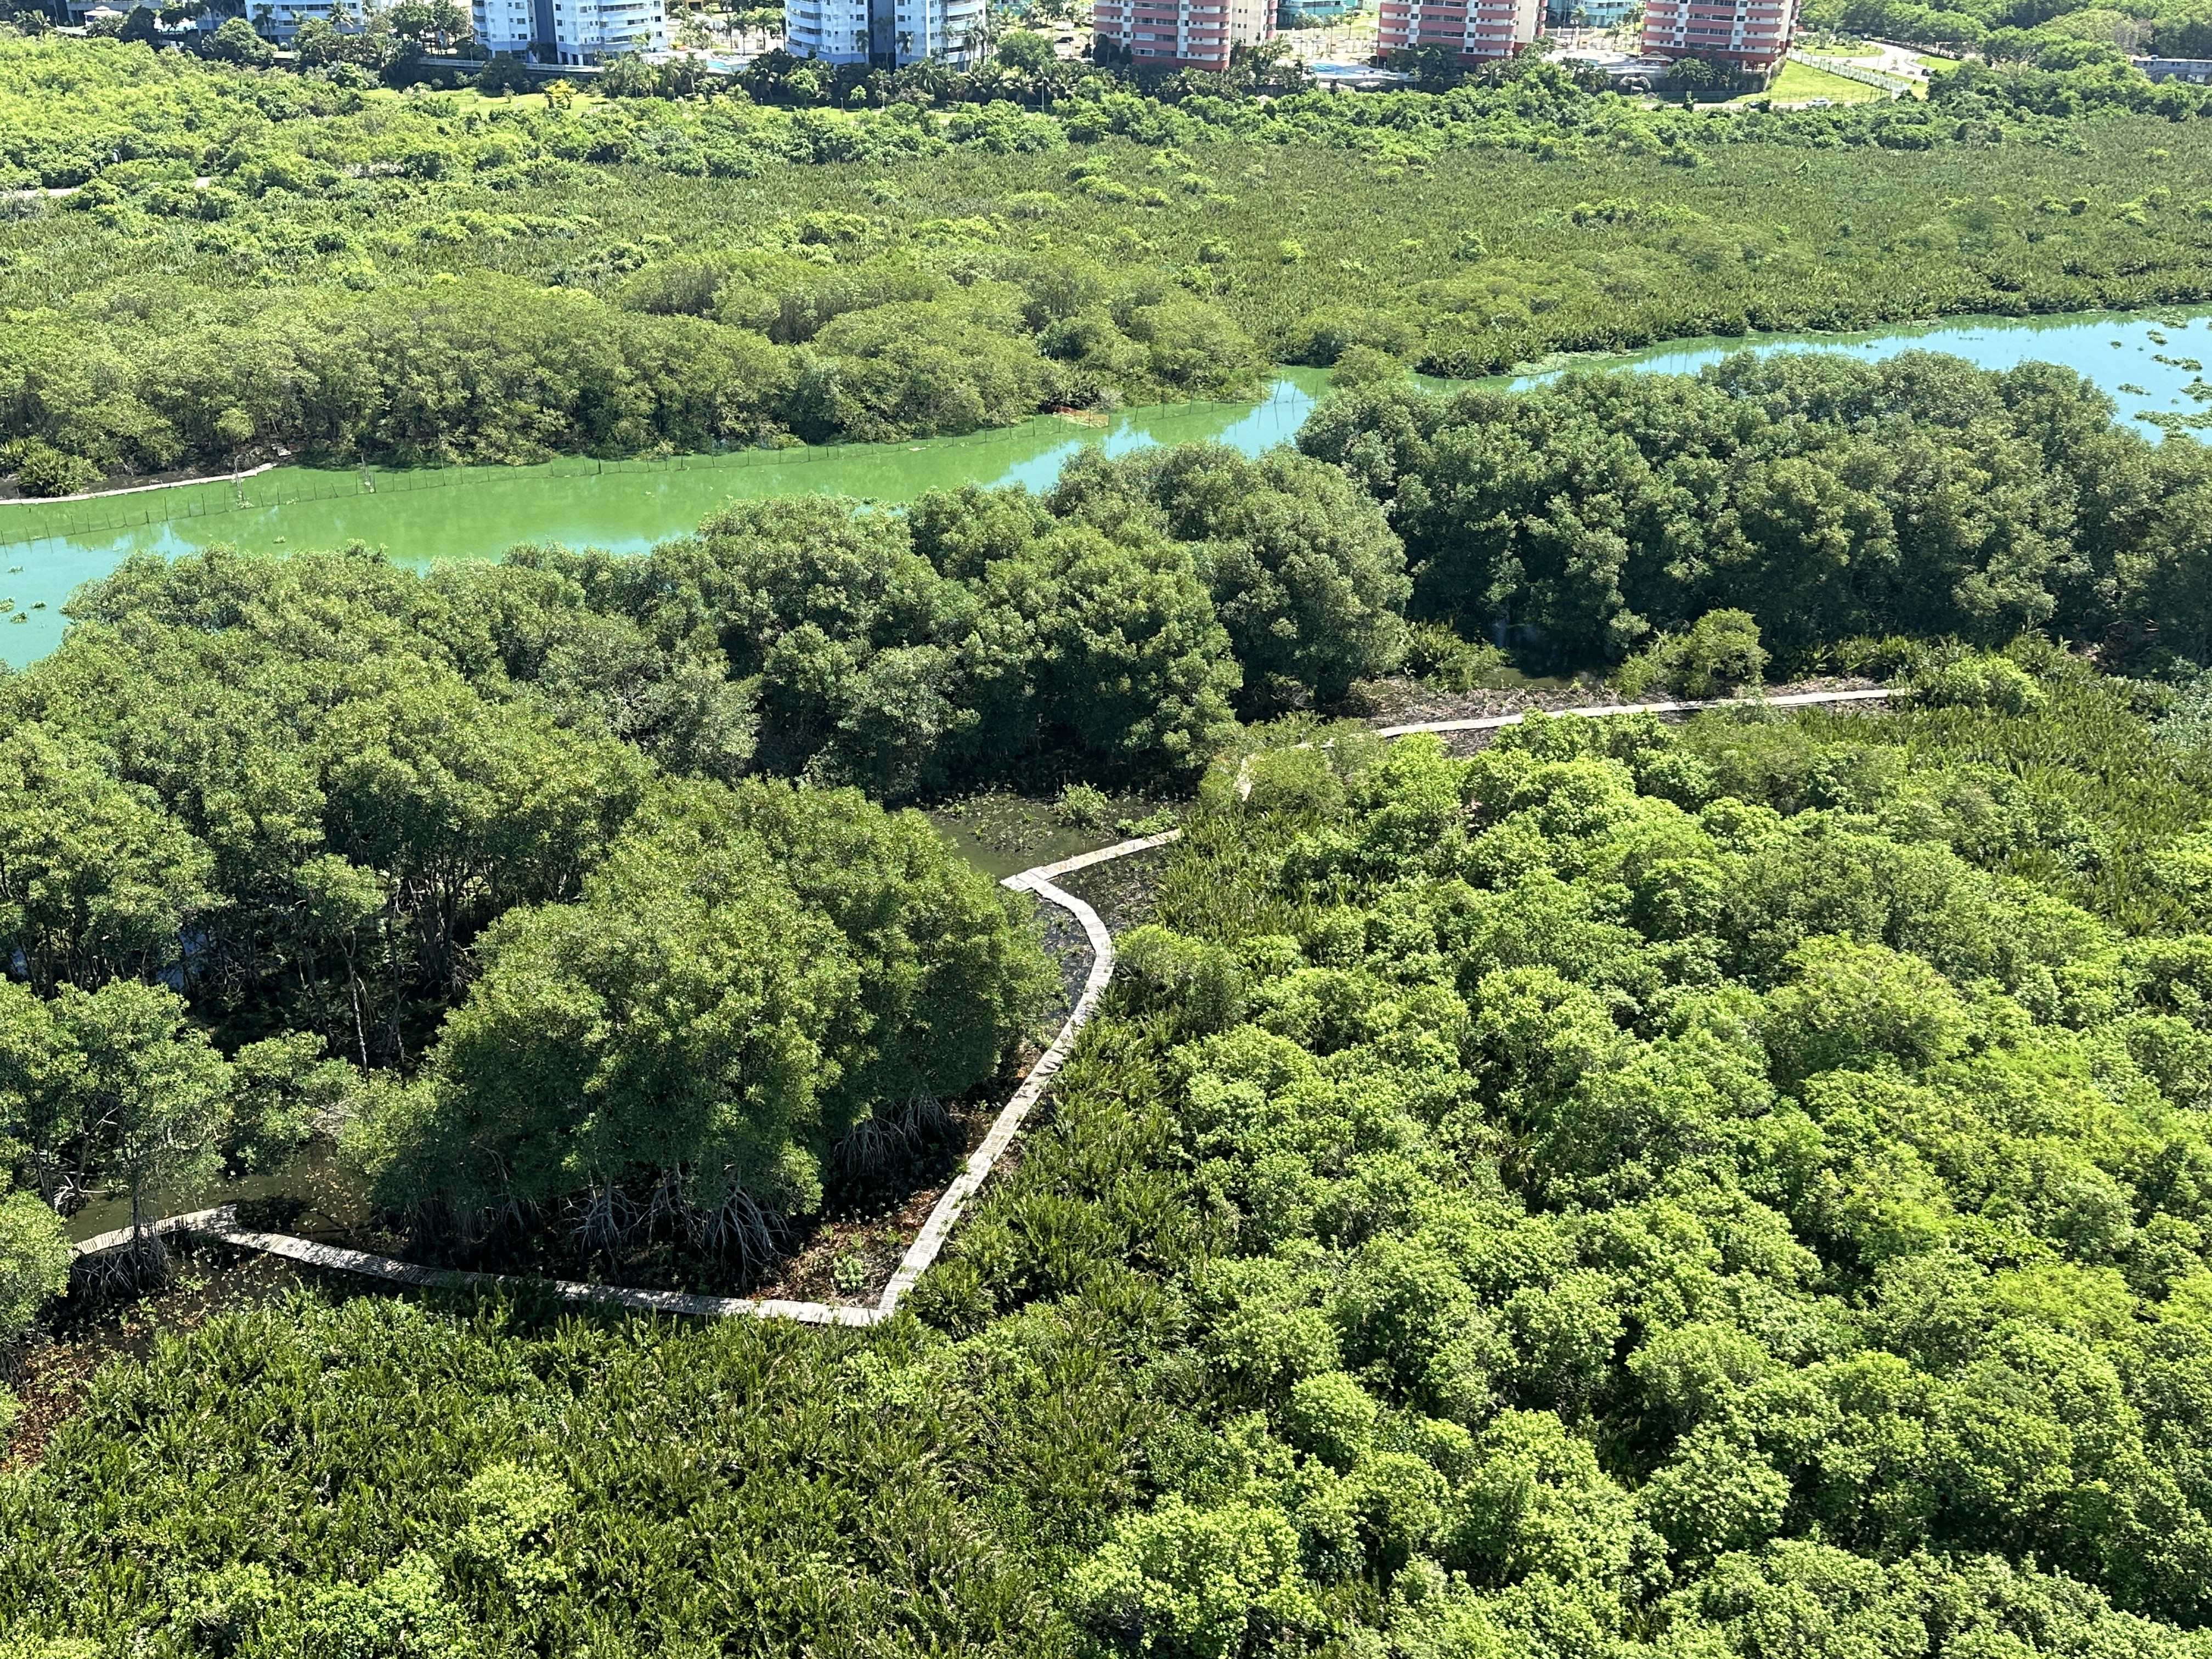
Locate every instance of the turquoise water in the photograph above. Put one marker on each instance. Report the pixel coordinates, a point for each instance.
(2147, 362)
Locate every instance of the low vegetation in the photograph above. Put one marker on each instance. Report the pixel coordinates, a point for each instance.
(1703, 1191)
(1639, 1190)
(247, 260)
(502, 865)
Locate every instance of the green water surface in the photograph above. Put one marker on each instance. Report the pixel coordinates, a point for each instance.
(2146, 362)
(422, 517)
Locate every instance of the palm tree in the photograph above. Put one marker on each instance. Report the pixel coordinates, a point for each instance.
(861, 41)
(906, 43)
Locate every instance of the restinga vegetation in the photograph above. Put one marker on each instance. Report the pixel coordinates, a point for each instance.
(246, 261)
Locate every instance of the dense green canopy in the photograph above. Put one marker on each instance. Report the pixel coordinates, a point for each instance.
(1826, 497)
(1109, 623)
(1639, 1215)
(1734, 1189)
(246, 261)
(747, 975)
(263, 811)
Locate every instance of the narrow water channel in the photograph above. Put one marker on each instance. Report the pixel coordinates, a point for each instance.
(424, 516)
(2147, 362)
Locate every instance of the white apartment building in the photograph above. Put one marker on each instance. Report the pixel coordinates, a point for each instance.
(593, 31)
(889, 32)
(506, 25)
(581, 32)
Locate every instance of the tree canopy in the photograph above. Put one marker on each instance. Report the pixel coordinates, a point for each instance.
(294, 840)
(246, 260)
(1824, 497)
(1729, 1188)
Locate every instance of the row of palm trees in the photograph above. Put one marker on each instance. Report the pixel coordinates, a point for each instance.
(974, 42)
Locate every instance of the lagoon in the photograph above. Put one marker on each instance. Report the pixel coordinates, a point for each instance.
(2147, 362)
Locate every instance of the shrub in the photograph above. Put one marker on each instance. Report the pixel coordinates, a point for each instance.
(42, 470)
(1720, 652)
(1331, 1417)
(34, 1260)
(504, 73)
(1855, 1006)
(1437, 656)
(1980, 682)
(235, 42)
(1364, 365)
(1203, 982)
(1189, 1583)
(1084, 806)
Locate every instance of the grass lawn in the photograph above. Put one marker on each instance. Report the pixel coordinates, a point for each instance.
(1799, 83)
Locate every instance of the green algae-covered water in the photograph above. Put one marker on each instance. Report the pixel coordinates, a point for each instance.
(47, 548)
(2147, 362)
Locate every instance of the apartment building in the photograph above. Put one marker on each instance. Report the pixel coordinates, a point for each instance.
(1591, 14)
(579, 31)
(1753, 34)
(593, 31)
(507, 26)
(1182, 33)
(889, 32)
(1481, 30)
(281, 21)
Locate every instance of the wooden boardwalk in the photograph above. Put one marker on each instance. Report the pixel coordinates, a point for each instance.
(222, 1221)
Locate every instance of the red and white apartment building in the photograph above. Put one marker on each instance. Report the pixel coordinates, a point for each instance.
(1753, 34)
(1481, 30)
(1183, 33)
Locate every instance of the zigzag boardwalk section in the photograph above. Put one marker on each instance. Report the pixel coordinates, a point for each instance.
(222, 1221)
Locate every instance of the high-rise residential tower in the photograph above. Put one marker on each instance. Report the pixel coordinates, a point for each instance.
(1752, 35)
(1182, 33)
(889, 32)
(1481, 31)
(578, 32)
